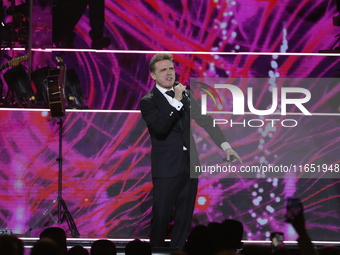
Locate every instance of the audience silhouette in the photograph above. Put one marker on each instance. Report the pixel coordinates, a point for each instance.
(103, 247)
(77, 250)
(138, 247)
(305, 244)
(256, 250)
(229, 236)
(11, 245)
(215, 238)
(329, 250)
(58, 235)
(46, 246)
(199, 241)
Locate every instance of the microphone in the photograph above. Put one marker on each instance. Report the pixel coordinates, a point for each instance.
(184, 94)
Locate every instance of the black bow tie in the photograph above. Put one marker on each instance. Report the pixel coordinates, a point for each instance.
(170, 93)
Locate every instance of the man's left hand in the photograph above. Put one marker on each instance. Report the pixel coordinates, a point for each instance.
(230, 152)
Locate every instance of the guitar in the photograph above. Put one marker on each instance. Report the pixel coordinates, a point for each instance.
(55, 89)
(15, 61)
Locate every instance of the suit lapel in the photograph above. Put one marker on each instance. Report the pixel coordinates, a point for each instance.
(161, 101)
(159, 97)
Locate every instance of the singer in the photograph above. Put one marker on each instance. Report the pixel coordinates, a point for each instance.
(167, 115)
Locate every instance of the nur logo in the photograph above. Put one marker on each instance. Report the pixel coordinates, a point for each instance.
(206, 88)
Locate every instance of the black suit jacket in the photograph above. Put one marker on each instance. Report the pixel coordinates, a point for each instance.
(168, 135)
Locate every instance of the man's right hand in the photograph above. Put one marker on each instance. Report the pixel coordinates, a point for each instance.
(179, 89)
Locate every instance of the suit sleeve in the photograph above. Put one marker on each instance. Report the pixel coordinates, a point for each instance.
(158, 119)
(206, 122)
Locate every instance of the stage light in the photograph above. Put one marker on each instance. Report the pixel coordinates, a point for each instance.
(73, 91)
(73, 94)
(38, 78)
(20, 87)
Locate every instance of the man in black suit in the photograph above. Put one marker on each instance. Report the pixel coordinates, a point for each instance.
(168, 120)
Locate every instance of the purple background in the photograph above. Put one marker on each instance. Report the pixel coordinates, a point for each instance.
(106, 155)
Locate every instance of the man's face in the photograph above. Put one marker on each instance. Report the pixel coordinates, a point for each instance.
(164, 74)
